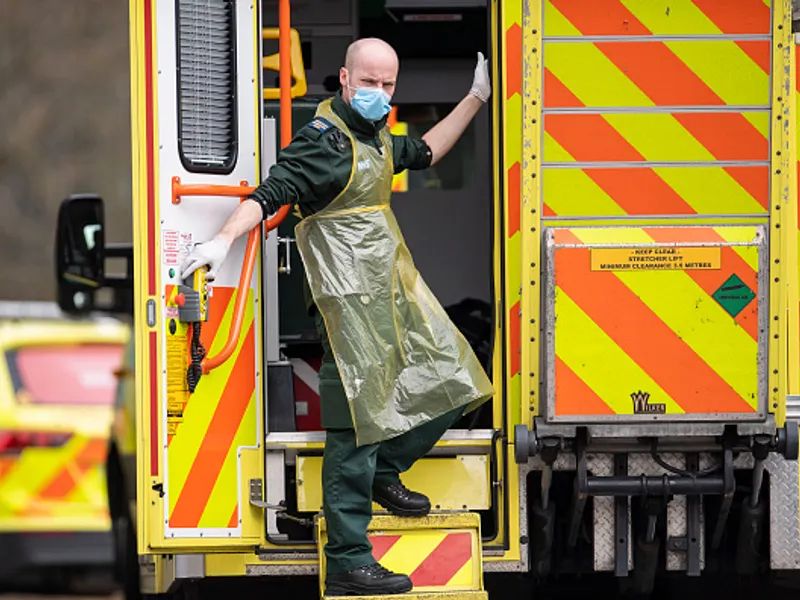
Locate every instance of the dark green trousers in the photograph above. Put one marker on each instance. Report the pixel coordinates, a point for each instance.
(349, 472)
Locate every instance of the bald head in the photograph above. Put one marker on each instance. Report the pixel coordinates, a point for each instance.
(369, 62)
(373, 49)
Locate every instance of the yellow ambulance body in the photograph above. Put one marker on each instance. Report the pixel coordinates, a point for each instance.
(644, 251)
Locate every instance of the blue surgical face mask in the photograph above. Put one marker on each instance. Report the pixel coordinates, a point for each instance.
(371, 103)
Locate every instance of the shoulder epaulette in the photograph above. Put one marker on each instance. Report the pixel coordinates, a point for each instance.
(321, 124)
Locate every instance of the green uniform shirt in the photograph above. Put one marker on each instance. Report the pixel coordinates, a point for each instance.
(315, 167)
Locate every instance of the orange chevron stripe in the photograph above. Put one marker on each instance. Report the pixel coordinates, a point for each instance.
(728, 136)
(643, 336)
(60, 486)
(234, 520)
(573, 396)
(91, 455)
(601, 142)
(218, 439)
(610, 17)
(748, 16)
(441, 565)
(217, 306)
(623, 185)
(668, 81)
(557, 95)
(711, 280)
(655, 70)
(754, 180)
(759, 53)
(600, 17)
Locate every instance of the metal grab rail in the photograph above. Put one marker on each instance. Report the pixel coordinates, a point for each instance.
(241, 191)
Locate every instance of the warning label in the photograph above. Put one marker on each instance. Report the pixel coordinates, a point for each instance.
(176, 363)
(733, 295)
(175, 246)
(655, 258)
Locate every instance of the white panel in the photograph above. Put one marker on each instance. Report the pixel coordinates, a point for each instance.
(199, 216)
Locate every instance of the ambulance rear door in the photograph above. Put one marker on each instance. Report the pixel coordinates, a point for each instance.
(196, 103)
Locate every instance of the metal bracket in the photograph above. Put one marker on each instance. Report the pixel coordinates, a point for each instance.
(693, 524)
(256, 495)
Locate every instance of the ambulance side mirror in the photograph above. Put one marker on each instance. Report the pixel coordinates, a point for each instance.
(80, 252)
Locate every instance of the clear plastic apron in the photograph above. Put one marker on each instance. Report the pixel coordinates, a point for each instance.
(401, 359)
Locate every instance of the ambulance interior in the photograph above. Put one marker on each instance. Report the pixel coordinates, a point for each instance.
(445, 212)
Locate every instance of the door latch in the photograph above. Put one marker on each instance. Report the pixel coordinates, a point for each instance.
(285, 262)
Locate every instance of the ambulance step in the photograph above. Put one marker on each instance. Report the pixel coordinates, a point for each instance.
(470, 595)
(441, 553)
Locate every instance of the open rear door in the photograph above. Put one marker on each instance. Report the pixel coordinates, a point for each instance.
(196, 113)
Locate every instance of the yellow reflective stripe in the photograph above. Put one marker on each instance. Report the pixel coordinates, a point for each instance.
(553, 151)
(514, 272)
(658, 137)
(513, 118)
(88, 485)
(583, 345)
(571, 192)
(760, 121)
(197, 416)
(709, 190)
(464, 576)
(224, 496)
(672, 17)
(739, 82)
(591, 76)
(741, 234)
(556, 24)
(413, 547)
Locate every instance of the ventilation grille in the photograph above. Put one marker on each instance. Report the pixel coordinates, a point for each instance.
(206, 82)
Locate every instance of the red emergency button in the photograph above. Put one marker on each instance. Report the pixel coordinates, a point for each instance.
(180, 299)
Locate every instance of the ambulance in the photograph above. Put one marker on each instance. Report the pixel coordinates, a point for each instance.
(623, 215)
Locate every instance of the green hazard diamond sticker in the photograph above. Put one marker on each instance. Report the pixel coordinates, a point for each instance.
(734, 295)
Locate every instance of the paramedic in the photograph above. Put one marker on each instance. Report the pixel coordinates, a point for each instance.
(338, 171)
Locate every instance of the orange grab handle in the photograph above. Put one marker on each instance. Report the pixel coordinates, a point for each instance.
(241, 191)
(209, 363)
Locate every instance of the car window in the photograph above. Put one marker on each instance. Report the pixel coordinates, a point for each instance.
(65, 375)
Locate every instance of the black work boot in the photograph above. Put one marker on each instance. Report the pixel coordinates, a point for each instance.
(400, 501)
(371, 580)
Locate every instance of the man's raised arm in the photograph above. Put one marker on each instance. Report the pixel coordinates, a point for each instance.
(442, 137)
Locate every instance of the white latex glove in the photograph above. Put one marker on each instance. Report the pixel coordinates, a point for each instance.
(481, 86)
(211, 253)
